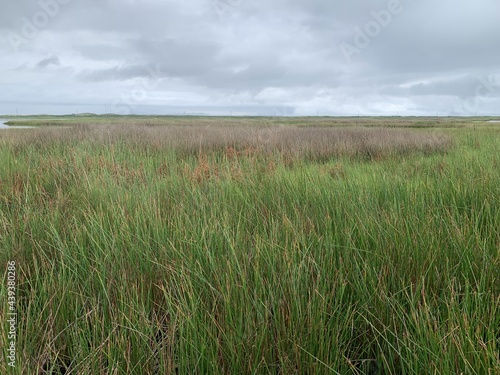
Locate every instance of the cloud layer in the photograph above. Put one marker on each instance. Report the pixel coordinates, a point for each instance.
(251, 57)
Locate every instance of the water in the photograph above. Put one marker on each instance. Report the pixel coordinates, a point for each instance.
(3, 126)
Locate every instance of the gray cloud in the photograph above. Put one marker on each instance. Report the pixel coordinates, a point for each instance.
(371, 56)
(53, 60)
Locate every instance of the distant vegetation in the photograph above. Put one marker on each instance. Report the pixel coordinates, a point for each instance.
(403, 122)
(205, 245)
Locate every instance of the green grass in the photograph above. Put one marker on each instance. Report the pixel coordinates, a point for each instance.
(161, 248)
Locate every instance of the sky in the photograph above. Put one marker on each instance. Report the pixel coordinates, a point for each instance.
(251, 57)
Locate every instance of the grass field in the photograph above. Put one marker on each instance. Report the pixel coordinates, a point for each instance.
(252, 245)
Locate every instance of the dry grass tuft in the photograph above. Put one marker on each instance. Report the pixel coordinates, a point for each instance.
(337, 171)
(203, 171)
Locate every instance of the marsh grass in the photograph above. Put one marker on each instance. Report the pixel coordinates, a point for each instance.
(184, 121)
(259, 250)
(309, 143)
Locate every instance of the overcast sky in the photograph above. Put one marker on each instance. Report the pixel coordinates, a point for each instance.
(279, 57)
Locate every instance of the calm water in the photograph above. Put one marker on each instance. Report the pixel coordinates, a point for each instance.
(3, 126)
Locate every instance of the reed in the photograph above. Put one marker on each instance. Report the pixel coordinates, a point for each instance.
(252, 249)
